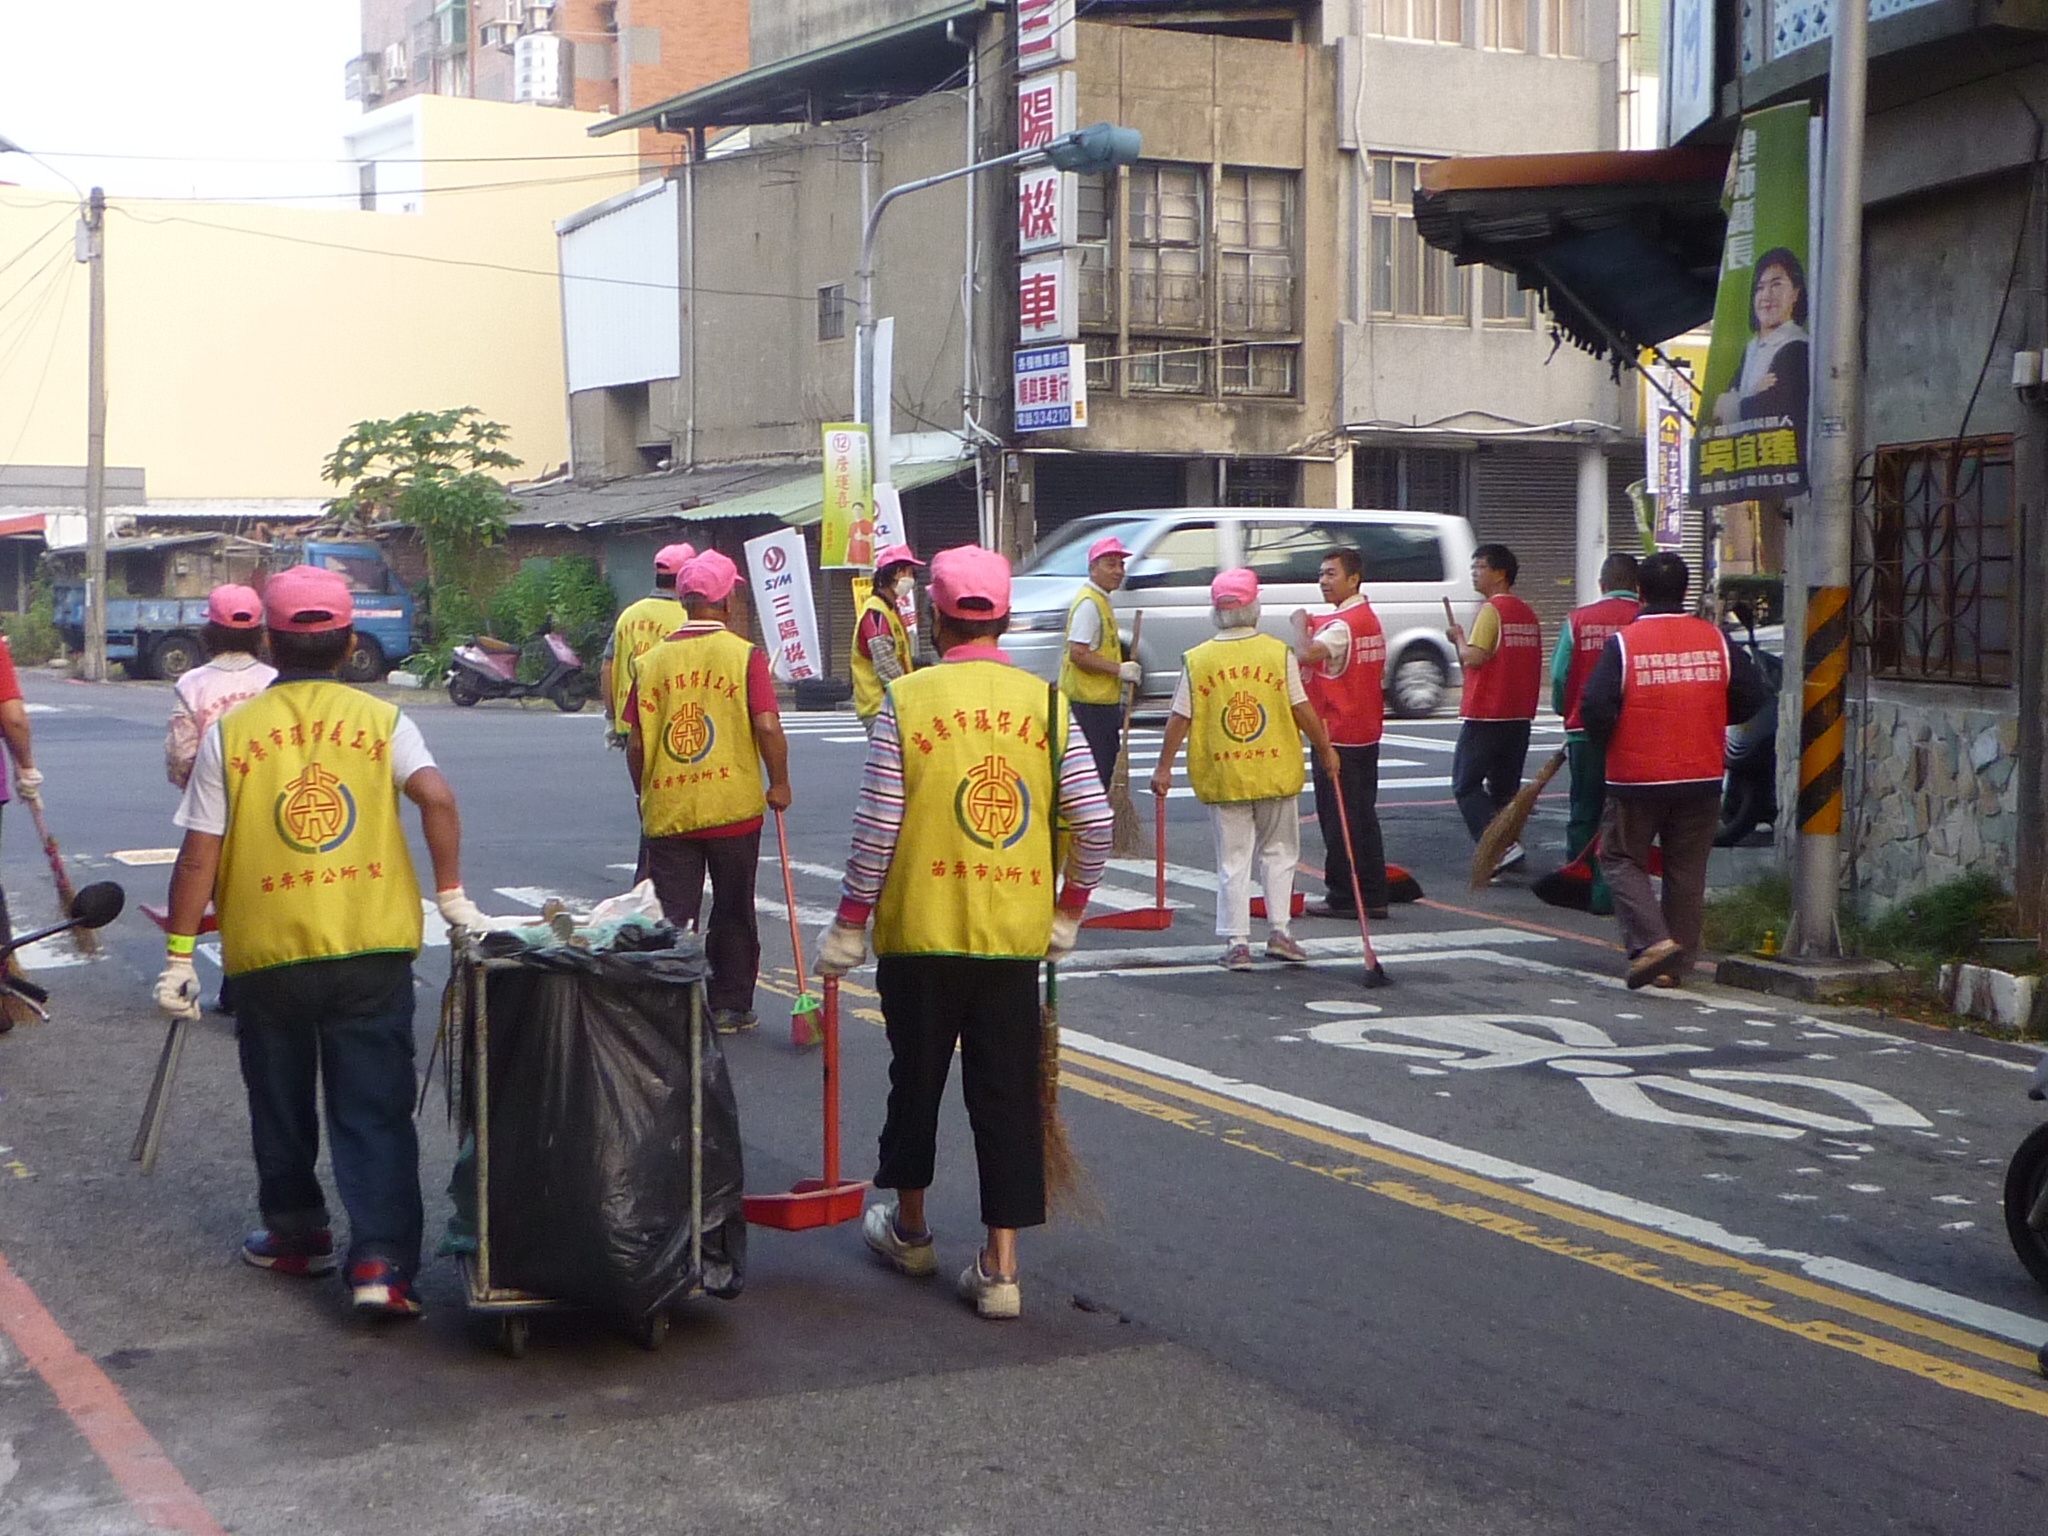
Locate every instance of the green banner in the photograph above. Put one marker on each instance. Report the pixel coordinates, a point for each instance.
(1751, 442)
(846, 535)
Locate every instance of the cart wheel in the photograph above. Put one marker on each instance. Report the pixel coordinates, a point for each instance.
(512, 1334)
(649, 1335)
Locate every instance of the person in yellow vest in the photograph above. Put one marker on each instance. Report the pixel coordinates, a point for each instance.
(970, 770)
(1242, 709)
(292, 830)
(639, 626)
(1093, 673)
(702, 722)
(882, 650)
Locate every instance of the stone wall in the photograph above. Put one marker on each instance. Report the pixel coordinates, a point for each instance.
(1939, 797)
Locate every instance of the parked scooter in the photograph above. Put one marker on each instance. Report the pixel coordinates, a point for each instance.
(1749, 787)
(488, 668)
(2026, 1195)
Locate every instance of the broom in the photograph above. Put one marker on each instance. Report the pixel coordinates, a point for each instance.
(1127, 837)
(1506, 828)
(1067, 1187)
(86, 941)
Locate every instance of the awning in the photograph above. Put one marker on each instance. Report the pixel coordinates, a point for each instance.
(31, 522)
(1624, 246)
(864, 74)
(906, 477)
(793, 492)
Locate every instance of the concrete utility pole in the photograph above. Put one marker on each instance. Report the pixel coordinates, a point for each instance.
(1837, 428)
(92, 249)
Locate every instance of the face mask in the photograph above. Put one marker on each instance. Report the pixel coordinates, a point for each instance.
(905, 586)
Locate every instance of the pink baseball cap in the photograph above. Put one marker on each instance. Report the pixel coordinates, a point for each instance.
(307, 600)
(233, 607)
(971, 583)
(896, 554)
(671, 558)
(1109, 546)
(710, 576)
(1233, 589)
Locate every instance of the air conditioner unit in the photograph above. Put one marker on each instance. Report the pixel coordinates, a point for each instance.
(363, 78)
(498, 34)
(395, 64)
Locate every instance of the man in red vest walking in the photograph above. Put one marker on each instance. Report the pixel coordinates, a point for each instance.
(1343, 659)
(1579, 646)
(1503, 662)
(1659, 701)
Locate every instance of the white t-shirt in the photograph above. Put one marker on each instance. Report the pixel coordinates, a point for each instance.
(1335, 637)
(1184, 699)
(205, 806)
(1086, 628)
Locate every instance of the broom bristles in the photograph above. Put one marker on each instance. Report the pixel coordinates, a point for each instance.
(1069, 1191)
(1506, 828)
(1127, 838)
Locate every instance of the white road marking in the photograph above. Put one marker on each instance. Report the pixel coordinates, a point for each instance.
(1880, 1106)
(804, 914)
(1161, 959)
(1928, 1300)
(136, 858)
(538, 896)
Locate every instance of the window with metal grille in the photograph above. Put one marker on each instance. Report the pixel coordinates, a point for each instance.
(1265, 370)
(1255, 251)
(1411, 280)
(1420, 21)
(1938, 587)
(1095, 234)
(1169, 364)
(1408, 479)
(1503, 302)
(832, 312)
(1168, 221)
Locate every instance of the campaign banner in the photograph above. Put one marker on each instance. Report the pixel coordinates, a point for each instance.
(1667, 444)
(781, 585)
(846, 537)
(1751, 441)
(888, 517)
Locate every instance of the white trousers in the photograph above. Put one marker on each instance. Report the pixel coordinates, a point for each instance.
(1266, 833)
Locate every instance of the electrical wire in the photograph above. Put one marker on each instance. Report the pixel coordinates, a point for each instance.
(62, 219)
(35, 395)
(2019, 246)
(80, 154)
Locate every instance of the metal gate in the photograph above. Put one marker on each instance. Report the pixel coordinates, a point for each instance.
(1526, 497)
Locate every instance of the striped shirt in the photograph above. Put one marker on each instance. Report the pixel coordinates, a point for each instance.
(878, 816)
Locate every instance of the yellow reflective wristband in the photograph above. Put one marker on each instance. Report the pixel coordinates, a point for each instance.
(178, 943)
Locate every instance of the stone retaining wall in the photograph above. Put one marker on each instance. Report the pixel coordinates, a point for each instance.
(1939, 797)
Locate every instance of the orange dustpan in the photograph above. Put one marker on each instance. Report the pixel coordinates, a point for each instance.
(1157, 916)
(825, 1202)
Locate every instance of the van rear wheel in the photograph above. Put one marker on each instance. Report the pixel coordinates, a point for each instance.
(365, 663)
(1417, 682)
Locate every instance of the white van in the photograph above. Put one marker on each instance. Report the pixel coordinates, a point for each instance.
(1413, 561)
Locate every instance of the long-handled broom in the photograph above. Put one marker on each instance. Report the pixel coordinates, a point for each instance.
(1066, 1181)
(1128, 839)
(803, 1016)
(1505, 829)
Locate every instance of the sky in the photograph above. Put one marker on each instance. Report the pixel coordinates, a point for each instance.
(217, 99)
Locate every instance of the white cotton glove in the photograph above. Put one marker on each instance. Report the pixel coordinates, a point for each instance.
(177, 989)
(841, 947)
(458, 911)
(1066, 933)
(30, 783)
(1130, 672)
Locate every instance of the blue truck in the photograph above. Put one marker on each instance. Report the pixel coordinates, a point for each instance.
(158, 635)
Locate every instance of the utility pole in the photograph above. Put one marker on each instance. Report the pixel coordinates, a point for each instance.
(1837, 428)
(92, 249)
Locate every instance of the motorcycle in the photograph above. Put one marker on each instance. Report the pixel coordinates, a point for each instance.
(1749, 760)
(2026, 1195)
(488, 668)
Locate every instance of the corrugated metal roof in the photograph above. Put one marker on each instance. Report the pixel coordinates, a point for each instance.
(683, 494)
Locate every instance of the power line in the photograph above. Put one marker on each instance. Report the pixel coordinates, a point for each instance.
(35, 395)
(62, 219)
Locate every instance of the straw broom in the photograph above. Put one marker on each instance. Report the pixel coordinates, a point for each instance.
(1506, 828)
(1067, 1186)
(1127, 838)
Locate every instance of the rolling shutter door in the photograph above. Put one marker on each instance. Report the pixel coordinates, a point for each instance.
(1073, 485)
(1526, 497)
(942, 515)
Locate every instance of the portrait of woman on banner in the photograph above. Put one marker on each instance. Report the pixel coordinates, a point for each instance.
(1773, 379)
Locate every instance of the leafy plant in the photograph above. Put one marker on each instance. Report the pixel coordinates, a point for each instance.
(32, 635)
(1944, 922)
(1737, 920)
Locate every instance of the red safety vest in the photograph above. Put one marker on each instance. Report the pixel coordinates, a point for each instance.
(1590, 627)
(1674, 702)
(1508, 685)
(1353, 704)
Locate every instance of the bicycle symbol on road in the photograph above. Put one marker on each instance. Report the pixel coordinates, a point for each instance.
(1471, 1042)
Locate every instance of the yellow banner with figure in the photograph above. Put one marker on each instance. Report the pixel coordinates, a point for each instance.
(846, 537)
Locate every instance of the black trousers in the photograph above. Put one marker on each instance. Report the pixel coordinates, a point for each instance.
(1486, 769)
(1102, 725)
(732, 939)
(1358, 781)
(991, 1008)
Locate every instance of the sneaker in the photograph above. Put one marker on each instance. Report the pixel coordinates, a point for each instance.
(296, 1253)
(910, 1255)
(1662, 958)
(1237, 956)
(994, 1296)
(1512, 859)
(1280, 945)
(376, 1287)
(1342, 910)
(732, 1021)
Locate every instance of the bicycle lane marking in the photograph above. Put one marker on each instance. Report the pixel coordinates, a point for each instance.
(95, 1405)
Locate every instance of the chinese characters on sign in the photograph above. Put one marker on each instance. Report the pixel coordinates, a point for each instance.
(1045, 34)
(782, 600)
(1051, 386)
(1046, 310)
(846, 537)
(1668, 446)
(1045, 109)
(1046, 208)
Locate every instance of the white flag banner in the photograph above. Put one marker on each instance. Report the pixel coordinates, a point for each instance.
(888, 515)
(781, 582)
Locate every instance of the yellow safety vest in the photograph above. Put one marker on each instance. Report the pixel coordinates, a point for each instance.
(1243, 743)
(1091, 687)
(699, 766)
(867, 684)
(313, 865)
(642, 624)
(973, 872)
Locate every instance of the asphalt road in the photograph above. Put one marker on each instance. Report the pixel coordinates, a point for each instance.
(1502, 1247)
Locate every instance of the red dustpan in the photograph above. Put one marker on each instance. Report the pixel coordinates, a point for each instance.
(1157, 916)
(822, 1202)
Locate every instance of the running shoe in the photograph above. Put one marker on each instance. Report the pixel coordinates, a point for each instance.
(378, 1289)
(910, 1255)
(295, 1253)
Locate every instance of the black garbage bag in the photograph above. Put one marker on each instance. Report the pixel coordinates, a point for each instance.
(590, 1131)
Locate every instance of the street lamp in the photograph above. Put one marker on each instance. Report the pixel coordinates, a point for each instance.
(1098, 147)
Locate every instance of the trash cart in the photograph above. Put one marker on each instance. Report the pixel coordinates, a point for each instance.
(600, 1162)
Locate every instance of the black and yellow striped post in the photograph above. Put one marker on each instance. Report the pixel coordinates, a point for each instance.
(1825, 662)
